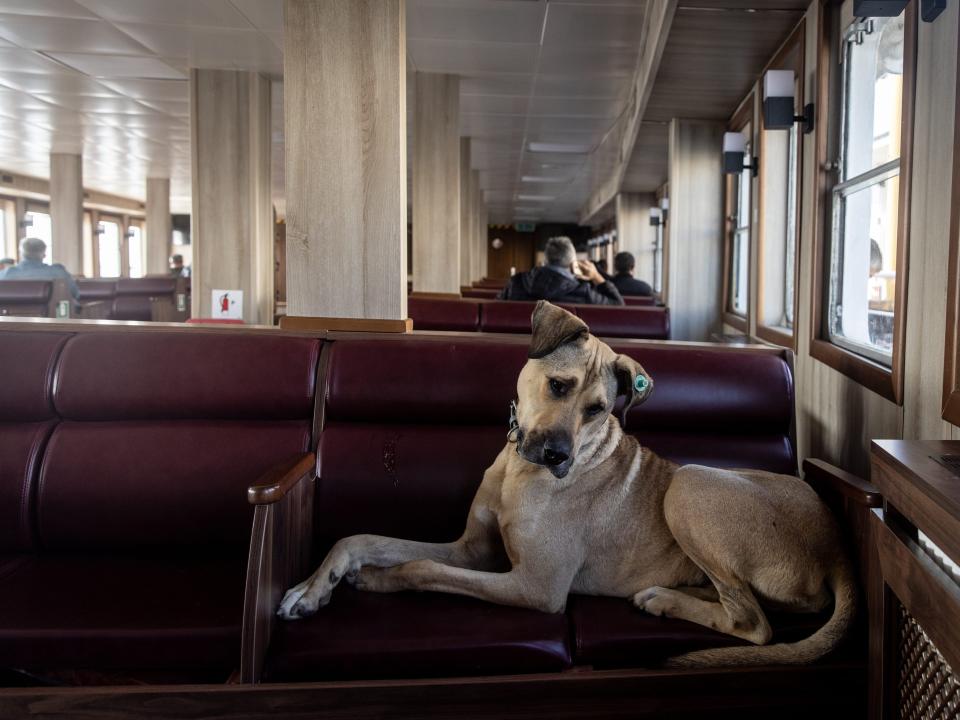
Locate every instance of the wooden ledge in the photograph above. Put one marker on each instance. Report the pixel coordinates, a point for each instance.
(293, 322)
(435, 295)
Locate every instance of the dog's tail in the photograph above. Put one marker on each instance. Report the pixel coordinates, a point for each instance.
(844, 588)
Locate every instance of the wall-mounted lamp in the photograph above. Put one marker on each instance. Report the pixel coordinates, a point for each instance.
(734, 149)
(878, 8)
(778, 114)
(656, 216)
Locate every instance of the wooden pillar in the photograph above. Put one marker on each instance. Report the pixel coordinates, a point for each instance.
(345, 134)
(695, 242)
(484, 245)
(436, 185)
(231, 229)
(476, 199)
(635, 235)
(66, 211)
(159, 226)
(466, 227)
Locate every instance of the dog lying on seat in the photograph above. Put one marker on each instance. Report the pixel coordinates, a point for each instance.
(574, 504)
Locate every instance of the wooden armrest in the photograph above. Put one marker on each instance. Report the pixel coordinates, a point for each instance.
(823, 475)
(274, 484)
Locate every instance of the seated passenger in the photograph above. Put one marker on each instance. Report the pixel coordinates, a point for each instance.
(6, 262)
(627, 284)
(32, 267)
(177, 268)
(562, 279)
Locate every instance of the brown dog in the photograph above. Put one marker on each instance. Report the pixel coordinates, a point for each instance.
(576, 505)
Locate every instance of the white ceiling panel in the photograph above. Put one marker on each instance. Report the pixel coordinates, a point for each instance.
(496, 85)
(212, 13)
(264, 14)
(588, 60)
(494, 104)
(579, 107)
(66, 34)
(117, 66)
(213, 48)
(472, 57)
(605, 25)
(52, 8)
(499, 21)
(62, 84)
(25, 61)
(142, 89)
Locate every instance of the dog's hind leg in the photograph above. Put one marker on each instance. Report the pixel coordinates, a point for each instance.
(736, 613)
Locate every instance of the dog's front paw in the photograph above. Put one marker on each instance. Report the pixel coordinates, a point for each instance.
(654, 600)
(305, 599)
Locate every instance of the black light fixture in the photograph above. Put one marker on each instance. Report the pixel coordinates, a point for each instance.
(665, 207)
(878, 8)
(656, 216)
(778, 114)
(734, 150)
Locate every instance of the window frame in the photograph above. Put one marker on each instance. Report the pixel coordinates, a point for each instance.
(119, 221)
(745, 114)
(777, 335)
(885, 381)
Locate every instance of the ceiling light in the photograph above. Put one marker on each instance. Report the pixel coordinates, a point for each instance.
(545, 147)
(535, 198)
(541, 179)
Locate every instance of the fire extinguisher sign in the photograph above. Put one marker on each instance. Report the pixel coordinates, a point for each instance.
(227, 304)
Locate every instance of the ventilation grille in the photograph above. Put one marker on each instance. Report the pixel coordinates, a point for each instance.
(928, 688)
(950, 462)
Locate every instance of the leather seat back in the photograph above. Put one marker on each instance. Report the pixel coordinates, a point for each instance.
(430, 314)
(649, 323)
(25, 298)
(96, 289)
(27, 418)
(412, 423)
(163, 432)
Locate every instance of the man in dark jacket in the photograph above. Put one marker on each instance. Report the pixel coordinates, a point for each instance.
(562, 279)
(627, 284)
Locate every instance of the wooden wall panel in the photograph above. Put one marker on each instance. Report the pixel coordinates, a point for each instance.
(466, 228)
(346, 158)
(159, 226)
(696, 229)
(635, 234)
(436, 184)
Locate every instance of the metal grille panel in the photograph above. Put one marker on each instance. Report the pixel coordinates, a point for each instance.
(928, 687)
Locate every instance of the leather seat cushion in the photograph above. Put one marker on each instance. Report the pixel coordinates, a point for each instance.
(771, 452)
(611, 632)
(21, 446)
(146, 286)
(132, 307)
(651, 323)
(123, 611)
(28, 360)
(454, 315)
(25, 292)
(362, 634)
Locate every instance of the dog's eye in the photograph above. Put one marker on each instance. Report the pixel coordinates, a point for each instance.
(595, 409)
(558, 388)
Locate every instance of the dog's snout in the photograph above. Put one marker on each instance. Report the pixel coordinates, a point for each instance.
(556, 453)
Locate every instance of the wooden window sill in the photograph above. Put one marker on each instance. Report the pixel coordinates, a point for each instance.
(871, 375)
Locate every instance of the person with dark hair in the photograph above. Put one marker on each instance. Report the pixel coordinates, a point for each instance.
(562, 279)
(627, 284)
(32, 266)
(602, 269)
(177, 268)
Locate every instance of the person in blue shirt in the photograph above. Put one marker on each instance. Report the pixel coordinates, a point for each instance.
(32, 267)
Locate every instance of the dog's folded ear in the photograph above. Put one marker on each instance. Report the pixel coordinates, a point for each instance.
(552, 327)
(633, 383)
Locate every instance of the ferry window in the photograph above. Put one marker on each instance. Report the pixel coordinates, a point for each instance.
(739, 224)
(108, 247)
(39, 227)
(779, 204)
(866, 201)
(135, 250)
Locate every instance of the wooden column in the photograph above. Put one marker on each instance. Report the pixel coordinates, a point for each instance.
(635, 235)
(231, 226)
(484, 245)
(466, 227)
(66, 211)
(695, 242)
(476, 199)
(345, 113)
(436, 185)
(159, 226)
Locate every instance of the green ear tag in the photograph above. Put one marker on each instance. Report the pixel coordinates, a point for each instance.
(641, 383)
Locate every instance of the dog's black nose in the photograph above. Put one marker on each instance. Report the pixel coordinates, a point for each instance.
(555, 455)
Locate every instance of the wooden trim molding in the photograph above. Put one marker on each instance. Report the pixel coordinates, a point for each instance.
(951, 356)
(294, 322)
(887, 382)
(770, 333)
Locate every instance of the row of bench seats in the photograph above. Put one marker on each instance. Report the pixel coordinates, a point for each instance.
(125, 528)
(160, 299)
(484, 293)
(500, 316)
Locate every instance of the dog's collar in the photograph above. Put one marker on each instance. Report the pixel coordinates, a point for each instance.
(513, 434)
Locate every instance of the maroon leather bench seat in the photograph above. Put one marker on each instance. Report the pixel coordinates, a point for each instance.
(404, 458)
(136, 517)
(26, 298)
(432, 314)
(480, 293)
(639, 300)
(92, 289)
(626, 322)
(134, 296)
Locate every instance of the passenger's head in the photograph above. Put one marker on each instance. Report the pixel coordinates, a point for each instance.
(33, 249)
(876, 258)
(176, 260)
(6, 262)
(623, 263)
(559, 251)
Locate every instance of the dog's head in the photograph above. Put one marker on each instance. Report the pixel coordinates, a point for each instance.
(568, 388)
